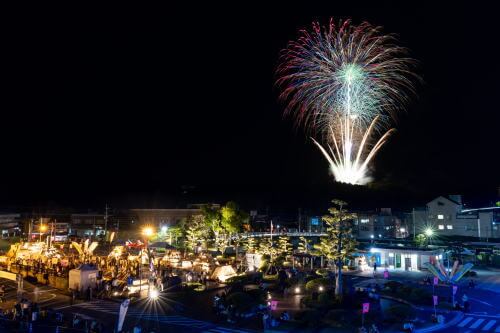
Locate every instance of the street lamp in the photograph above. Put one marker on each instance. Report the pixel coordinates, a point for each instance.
(43, 228)
(148, 231)
(429, 232)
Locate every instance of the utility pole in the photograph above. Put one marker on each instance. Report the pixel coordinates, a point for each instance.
(300, 217)
(105, 222)
(30, 230)
(414, 229)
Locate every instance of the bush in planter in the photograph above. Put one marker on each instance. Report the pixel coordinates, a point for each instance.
(322, 272)
(258, 295)
(238, 279)
(311, 318)
(399, 313)
(314, 285)
(337, 317)
(241, 301)
(471, 274)
(420, 296)
(393, 286)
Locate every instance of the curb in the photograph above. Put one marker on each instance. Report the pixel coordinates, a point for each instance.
(450, 323)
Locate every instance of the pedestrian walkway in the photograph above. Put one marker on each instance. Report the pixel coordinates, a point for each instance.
(478, 323)
(143, 314)
(220, 329)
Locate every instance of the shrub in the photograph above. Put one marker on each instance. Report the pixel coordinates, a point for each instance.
(313, 285)
(420, 296)
(258, 295)
(336, 316)
(241, 300)
(399, 313)
(196, 286)
(310, 318)
(322, 272)
(471, 274)
(393, 286)
(238, 279)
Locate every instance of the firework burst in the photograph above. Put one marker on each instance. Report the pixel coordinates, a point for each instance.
(347, 82)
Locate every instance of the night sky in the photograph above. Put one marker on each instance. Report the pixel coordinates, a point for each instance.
(157, 107)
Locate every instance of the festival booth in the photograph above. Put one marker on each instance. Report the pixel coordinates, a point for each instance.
(82, 277)
(172, 258)
(222, 273)
(254, 261)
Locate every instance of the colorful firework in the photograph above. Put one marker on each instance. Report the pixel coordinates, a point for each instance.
(346, 82)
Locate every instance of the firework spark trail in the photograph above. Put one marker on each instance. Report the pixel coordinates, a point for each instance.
(346, 82)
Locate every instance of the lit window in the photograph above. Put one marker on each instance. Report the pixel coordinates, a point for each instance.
(440, 217)
(449, 227)
(402, 229)
(441, 227)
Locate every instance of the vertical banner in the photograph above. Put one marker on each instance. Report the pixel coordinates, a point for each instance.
(386, 274)
(366, 307)
(455, 288)
(274, 305)
(123, 313)
(436, 280)
(435, 298)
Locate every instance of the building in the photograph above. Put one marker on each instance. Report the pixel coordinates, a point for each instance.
(381, 224)
(403, 258)
(88, 224)
(446, 215)
(10, 225)
(161, 217)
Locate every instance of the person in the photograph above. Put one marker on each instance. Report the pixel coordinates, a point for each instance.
(265, 318)
(34, 312)
(284, 316)
(408, 327)
(374, 267)
(73, 296)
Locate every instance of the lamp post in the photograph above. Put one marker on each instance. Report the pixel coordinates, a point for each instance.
(146, 232)
(43, 228)
(429, 233)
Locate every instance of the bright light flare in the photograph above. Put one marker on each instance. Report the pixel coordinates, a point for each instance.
(429, 232)
(148, 231)
(154, 294)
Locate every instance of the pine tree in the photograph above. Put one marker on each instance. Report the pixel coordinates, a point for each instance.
(251, 245)
(304, 245)
(284, 247)
(340, 243)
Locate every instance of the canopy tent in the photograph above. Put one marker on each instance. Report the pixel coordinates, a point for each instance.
(222, 273)
(83, 277)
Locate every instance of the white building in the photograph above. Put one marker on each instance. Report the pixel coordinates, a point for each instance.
(403, 258)
(447, 216)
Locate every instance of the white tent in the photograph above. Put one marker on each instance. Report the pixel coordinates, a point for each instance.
(222, 273)
(82, 277)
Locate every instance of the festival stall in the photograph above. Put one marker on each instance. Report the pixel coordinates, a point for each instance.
(83, 277)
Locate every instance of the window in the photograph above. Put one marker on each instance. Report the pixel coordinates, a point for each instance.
(441, 227)
(449, 227)
(440, 217)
